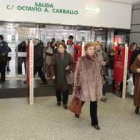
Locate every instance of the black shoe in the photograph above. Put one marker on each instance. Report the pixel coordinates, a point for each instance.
(8, 69)
(97, 127)
(44, 84)
(137, 110)
(59, 103)
(2, 81)
(77, 116)
(65, 106)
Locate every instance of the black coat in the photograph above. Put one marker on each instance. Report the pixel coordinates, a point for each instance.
(38, 56)
(111, 62)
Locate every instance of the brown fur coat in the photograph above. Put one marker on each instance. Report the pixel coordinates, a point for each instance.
(88, 81)
(134, 68)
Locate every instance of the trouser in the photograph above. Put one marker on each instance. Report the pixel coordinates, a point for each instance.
(110, 76)
(93, 112)
(65, 95)
(2, 70)
(7, 63)
(20, 61)
(103, 90)
(40, 73)
(48, 70)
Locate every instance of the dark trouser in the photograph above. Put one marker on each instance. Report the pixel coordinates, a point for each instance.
(41, 74)
(20, 61)
(65, 96)
(93, 112)
(103, 90)
(2, 70)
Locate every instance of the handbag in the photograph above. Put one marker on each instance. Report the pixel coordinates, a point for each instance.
(70, 78)
(75, 105)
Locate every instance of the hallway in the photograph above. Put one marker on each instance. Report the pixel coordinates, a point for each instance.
(46, 121)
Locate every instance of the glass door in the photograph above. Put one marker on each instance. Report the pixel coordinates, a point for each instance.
(23, 34)
(8, 31)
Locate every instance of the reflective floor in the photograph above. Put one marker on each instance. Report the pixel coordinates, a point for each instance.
(46, 121)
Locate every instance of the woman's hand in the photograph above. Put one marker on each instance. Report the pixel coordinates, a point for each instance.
(138, 70)
(103, 81)
(53, 77)
(104, 63)
(67, 68)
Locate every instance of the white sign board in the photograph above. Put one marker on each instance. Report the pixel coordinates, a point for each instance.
(68, 12)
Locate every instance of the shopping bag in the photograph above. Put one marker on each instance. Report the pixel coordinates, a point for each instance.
(70, 78)
(75, 105)
(130, 86)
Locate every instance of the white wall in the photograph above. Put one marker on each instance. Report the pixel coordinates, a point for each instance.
(116, 15)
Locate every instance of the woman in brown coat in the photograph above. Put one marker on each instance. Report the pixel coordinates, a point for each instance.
(88, 81)
(61, 63)
(135, 68)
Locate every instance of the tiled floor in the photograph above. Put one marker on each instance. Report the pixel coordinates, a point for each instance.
(45, 121)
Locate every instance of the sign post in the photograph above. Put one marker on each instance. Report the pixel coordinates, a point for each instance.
(30, 72)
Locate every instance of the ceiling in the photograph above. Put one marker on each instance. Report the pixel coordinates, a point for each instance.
(125, 1)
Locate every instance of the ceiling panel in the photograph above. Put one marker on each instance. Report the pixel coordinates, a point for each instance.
(125, 1)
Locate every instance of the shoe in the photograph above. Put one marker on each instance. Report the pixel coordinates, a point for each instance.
(24, 82)
(97, 127)
(104, 99)
(59, 103)
(8, 69)
(65, 106)
(137, 110)
(2, 81)
(77, 116)
(44, 83)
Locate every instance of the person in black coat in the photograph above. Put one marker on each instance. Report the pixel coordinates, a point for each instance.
(38, 60)
(3, 57)
(21, 60)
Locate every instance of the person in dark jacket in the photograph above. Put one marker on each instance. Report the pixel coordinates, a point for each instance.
(21, 60)
(39, 61)
(3, 57)
(61, 64)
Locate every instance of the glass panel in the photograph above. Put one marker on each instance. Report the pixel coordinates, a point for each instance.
(23, 35)
(8, 31)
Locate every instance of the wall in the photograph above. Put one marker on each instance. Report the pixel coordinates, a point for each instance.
(135, 24)
(115, 15)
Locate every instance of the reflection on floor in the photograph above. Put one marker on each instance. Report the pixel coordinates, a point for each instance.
(45, 121)
(17, 88)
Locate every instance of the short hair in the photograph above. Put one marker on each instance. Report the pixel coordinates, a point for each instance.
(63, 41)
(98, 43)
(63, 44)
(71, 37)
(1, 37)
(111, 51)
(89, 44)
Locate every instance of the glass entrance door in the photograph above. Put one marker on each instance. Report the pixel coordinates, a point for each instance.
(8, 31)
(17, 37)
(23, 34)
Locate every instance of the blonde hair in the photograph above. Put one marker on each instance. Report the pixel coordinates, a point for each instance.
(97, 43)
(89, 44)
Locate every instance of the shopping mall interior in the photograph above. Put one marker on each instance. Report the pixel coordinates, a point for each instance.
(111, 22)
